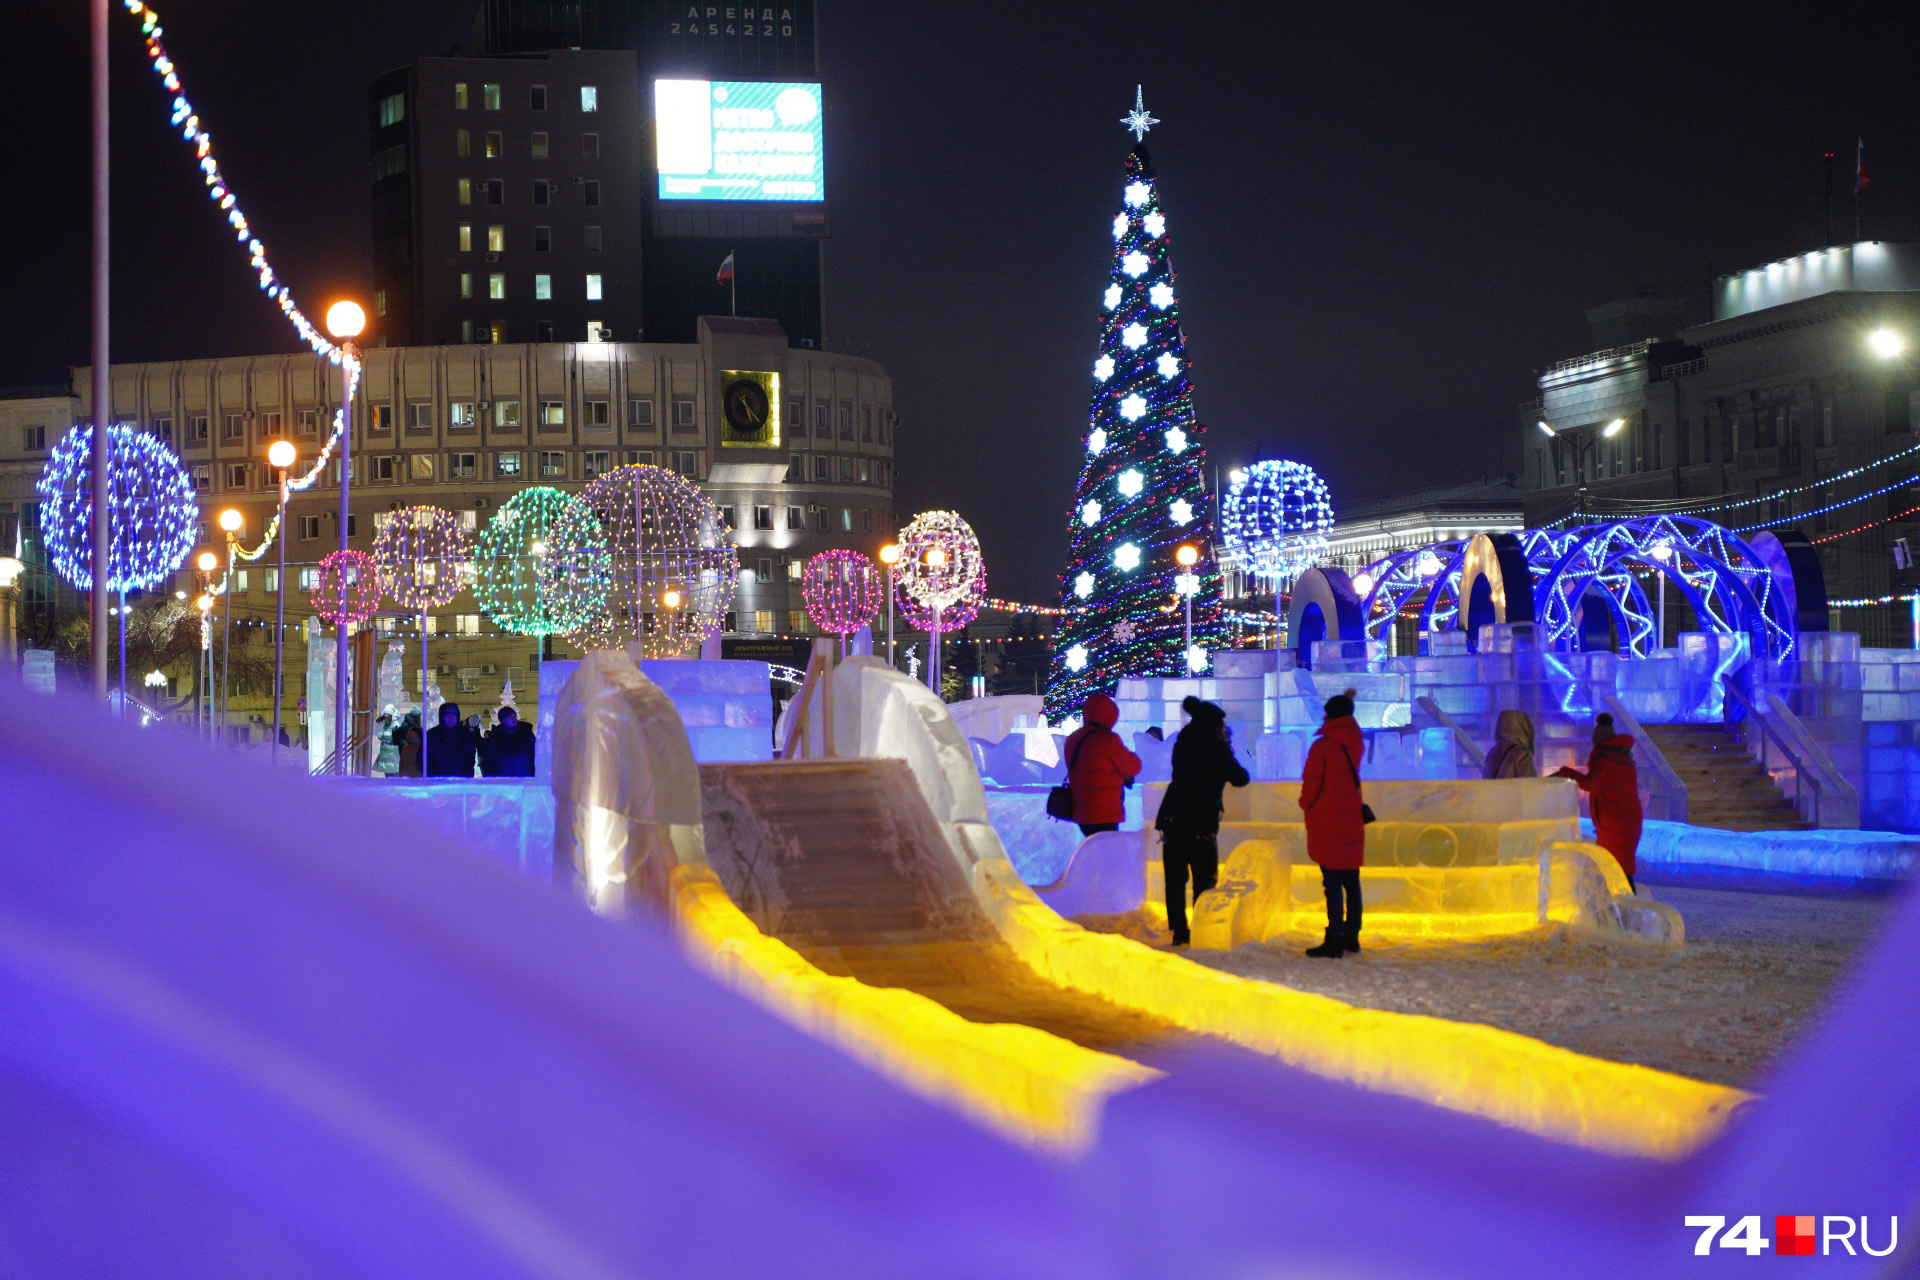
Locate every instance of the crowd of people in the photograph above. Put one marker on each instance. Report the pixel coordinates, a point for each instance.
(455, 746)
(1100, 768)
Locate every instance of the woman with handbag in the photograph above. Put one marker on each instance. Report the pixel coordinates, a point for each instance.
(1099, 768)
(1336, 823)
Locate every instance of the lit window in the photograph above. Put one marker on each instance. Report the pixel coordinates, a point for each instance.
(589, 98)
(553, 413)
(490, 97)
(460, 413)
(497, 332)
(497, 285)
(598, 413)
(497, 239)
(420, 466)
(506, 414)
(466, 331)
(466, 284)
(539, 146)
(466, 191)
(543, 288)
(495, 144)
(393, 109)
(459, 97)
(466, 237)
(462, 143)
(553, 465)
(506, 464)
(593, 288)
(379, 302)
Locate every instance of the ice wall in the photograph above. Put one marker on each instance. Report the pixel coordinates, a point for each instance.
(726, 705)
(1849, 856)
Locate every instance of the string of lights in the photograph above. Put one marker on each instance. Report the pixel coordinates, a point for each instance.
(1876, 601)
(218, 190)
(1630, 507)
(1847, 533)
(1832, 506)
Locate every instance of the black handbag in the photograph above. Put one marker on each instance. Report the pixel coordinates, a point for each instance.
(1366, 810)
(1060, 799)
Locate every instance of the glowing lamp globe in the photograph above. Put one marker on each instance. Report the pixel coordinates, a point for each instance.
(1186, 557)
(890, 554)
(423, 556)
(656, 532)
(346, 320)
(281, 455)
(152, 511)
(940, 561)
(346, 592)
(1275, 517)
(507, 560)
(231, 520)
(842, 591)
(207, 562)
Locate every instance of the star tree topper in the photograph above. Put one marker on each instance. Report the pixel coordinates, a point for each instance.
(1137, 120)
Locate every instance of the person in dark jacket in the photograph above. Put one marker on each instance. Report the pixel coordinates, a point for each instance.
(1189, 819)
(1336, 827)
(1612, 784)
(406, 739)
(451, 746)
(507, 750)
(1099, 767)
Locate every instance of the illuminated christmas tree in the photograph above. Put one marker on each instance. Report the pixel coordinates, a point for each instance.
(1143, 492)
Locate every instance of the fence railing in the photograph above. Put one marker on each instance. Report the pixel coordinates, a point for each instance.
(1666, 791)
(1821, 793)
(1461, 738)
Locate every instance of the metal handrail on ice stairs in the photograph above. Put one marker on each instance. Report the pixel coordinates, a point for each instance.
(1835, 802)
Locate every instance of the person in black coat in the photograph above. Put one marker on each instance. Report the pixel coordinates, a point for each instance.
(507, 751)
(1189, 819)
(451, 745)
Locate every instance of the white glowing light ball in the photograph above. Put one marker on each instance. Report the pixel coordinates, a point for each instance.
(1196, 659)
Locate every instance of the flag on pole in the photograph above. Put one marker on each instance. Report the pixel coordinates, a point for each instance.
(1860, 166)
(726, 270)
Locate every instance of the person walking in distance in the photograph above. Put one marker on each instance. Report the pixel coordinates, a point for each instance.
(1512, 754)
(1336, 823)
(1612, 784)
(1189, 818)
(1099, 767)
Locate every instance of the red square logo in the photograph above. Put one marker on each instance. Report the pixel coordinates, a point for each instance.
(1793, 1236)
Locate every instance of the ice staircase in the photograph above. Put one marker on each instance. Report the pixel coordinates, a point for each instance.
(1726, 787)
(843, 861)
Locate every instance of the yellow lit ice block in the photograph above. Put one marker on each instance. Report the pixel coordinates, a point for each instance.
(1554, 1092)
(1026, 1083)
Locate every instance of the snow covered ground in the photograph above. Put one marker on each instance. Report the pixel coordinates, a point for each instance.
(1754, 968)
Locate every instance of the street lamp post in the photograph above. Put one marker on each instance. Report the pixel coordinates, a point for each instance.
(229, 525)
(1188, 556)
(206, 562)
(936, 560)
(1663, 552)
(280, 456)
(1581, 448)
(345, 320)
(890, 556)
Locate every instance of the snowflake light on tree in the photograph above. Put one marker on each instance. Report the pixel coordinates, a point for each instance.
(1141, 424)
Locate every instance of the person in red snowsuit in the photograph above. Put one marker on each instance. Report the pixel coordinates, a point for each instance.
(1612, 784)
(1336, 831)
(1099, 767)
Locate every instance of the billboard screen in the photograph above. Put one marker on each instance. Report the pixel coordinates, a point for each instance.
(738, 140)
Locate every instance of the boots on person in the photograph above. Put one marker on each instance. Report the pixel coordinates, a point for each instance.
(1332, 948)
(1350, 941)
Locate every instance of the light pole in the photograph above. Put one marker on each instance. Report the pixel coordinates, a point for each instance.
(936, 560)
(206, 562)
(890, 556)
(345, 320)
(230, 521)
(280, 456)
(1663, 552)
(1188, 581)
(1583, 446)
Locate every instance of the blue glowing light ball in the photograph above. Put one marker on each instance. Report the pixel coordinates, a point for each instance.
(1275, 516)
(152, 510)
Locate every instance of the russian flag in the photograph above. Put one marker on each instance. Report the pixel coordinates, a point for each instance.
(726, 270)
(1860, 166)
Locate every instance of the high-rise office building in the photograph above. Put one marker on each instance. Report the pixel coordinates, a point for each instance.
(586, 173)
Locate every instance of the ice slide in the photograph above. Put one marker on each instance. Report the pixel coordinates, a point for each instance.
(256, 1027)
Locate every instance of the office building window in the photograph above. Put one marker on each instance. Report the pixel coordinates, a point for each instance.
(542, 239)
(419, 415)
(202, 478)
(537, 97)
(196, 428)
(597, 413)
(865, 471)
(553, 465)
(846, 471)
(796, 519)
(763, 519)
(639, 457)
(496, 191)
(232, 426)
(763, 570)
(543, 288)
(539, 145)
(846, 420)
(463, 466)
(271, 580)
(162, 427)
(639, 413)
(846, 520)
(683, 413)
(462, 142)
(592, 189)
(496, 144)
(393, 109)
(380, 468)
(506, 466)
(796, 468)
(594, 463)
(543, 331)
(419, 466)
(236, 477)
(497, 285)
(309, 530)
(506, 414)
(589, 98)
(466, 237)
(460, 415)
(466, 284)
(466, 331)
(466, 192)
(490, 97)
(553, 413)
(269, 422)
(593, 287)
(459, 97)
(821, 428)
(241, 582)
(686, 462)
(497, 332)
(541, 189)
(821, 465)
(590, 146)
(866, 520)
(820, 517)
(593, 239)
(726, 516)
(866, 424)
(496, 239)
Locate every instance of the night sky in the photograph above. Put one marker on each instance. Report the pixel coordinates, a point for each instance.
(1383, 220)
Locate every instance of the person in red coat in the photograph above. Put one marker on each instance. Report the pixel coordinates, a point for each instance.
(1612, 784)
(1099, 767)
(1336, 831)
